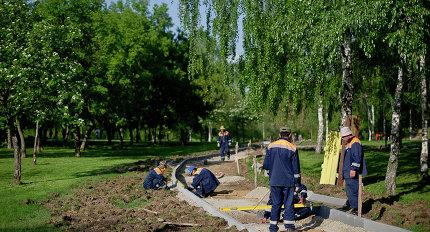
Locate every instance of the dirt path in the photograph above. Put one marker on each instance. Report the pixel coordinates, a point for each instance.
(123, 205)
(236, 190)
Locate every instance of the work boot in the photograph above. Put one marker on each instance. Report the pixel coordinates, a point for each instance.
(353, 211)
(290, 230)
(345, 208)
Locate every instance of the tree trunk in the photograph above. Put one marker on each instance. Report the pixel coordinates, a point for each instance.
(347, 87)
(190, 135)
(370, 118)
(320, 136)
(109, 135)
(65, 134)
(138, 137)
(210, 132)
(264, 131)
(121, 137)
(36, 142)
(130, 131)
(17, 158)
(9, 139)
(373, 120)
(21, 138)
(424, 121)
(384, 129)
(86, 136)
(326, 124)
(390, 178)
(78, 142)
(55, 134)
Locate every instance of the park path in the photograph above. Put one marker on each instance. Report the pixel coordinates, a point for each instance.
(236, 190)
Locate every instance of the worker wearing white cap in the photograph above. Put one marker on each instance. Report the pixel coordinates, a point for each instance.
(353, 166)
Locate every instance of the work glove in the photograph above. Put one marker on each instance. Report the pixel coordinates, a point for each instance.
(229, 143)
(217, 145)
(189, 188)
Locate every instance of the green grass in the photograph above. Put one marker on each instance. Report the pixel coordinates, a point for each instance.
(59, 172)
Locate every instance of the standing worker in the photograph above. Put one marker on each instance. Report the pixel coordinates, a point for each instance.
(155, 179)
(353, 166)
(282, 162)
(224, 141)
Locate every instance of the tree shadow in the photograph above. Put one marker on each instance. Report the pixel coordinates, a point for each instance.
(390, 200)
(141, 165)
(314, 223)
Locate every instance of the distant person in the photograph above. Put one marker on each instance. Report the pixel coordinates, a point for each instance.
(282, 162)
(353, 166)
(204, 181)
(300, 195)
(155, 179)
(97, 133)
(224, 141)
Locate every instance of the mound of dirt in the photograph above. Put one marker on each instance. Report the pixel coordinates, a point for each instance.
(122, 204)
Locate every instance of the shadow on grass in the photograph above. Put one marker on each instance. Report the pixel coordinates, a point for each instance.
(141, 165)
(376, 161)
(137, 150)
(417, 187)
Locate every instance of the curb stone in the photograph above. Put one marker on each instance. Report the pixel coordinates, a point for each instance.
(200, 202)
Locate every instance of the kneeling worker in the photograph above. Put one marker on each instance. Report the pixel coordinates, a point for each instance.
(300, 195)
(155, 179)
(204, 181)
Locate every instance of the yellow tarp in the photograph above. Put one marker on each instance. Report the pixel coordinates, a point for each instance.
(331, 159)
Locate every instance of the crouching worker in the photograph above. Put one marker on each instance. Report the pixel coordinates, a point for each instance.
(155, 179)
(300, 195)
(204, 181)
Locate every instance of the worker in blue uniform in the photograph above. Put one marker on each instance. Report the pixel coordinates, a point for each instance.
(155, 179)
(353, 166)
(282, 162)
(300, 195)
(224, 141)
(204, 181)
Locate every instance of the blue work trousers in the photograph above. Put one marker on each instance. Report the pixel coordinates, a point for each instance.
(224, 150)
(351, 187)
(281, 195)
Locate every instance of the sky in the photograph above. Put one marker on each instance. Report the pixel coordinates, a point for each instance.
(174, 14)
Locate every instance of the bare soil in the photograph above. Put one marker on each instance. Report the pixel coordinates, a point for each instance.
(122, 204)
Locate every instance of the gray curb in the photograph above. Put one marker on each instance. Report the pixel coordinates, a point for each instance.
(200, 202)
(349, 219)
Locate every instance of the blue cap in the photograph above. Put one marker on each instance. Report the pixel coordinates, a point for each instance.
(190, 169)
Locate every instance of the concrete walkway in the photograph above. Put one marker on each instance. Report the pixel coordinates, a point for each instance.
(235, 190)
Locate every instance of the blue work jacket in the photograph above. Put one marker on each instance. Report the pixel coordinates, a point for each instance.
(354, 159)
(224, 138)
(205, 181)
(282, 162)
(154, 180)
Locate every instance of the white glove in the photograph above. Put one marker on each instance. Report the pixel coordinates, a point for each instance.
(217, 145)
(229, 143)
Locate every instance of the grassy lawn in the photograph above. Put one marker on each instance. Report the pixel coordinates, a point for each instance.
(59, 172)
(411, 193)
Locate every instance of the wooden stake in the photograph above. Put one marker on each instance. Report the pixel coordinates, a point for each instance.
(149, 211)
(237, 165)
(360, 194)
